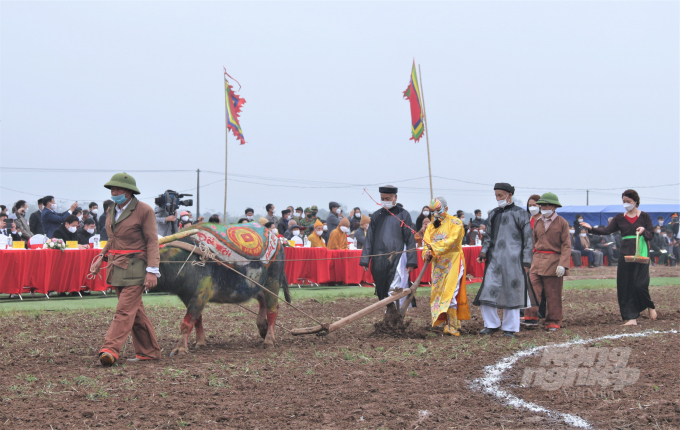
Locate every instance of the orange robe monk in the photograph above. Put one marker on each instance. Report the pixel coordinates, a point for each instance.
(338, 237)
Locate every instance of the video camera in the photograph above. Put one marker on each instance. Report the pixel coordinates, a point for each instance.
(170, 201)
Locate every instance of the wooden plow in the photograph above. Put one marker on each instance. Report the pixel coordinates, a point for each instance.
(408, 292)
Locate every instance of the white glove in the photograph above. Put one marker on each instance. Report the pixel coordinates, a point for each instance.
(560, 271)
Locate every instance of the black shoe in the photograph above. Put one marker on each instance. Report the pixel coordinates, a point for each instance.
(508, 334)
(531, 323)
(487, 330)
(590, 266)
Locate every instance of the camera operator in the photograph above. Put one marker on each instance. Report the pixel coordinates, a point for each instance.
(166, 223)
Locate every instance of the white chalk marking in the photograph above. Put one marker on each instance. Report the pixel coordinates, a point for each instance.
(490, 383)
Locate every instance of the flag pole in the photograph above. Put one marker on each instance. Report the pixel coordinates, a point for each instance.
(427, 133)
(226, 138)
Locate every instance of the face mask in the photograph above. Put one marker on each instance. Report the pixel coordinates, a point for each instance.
(533, 210)
(660, 222)
(80, 218)
(358, 215)
(309, 215)
(629, 206)
(664, 235)
(583, 235)
(479, 217)
(388, 205)
(325, 228)
(90, 230)
(572, 231)
(287, 217)
(296, 233)
(502, 203)
(344, 229)
(658, 231)
(318, 232)
(299, 214)
(547, 212)
(72, 229)
(185, 218)
(94, 211)
(580, 220)
(249, 217)
(426, 213)
(119, 199)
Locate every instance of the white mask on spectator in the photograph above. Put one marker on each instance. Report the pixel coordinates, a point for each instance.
(287, 217)
(628, 206)
(664, 235)
(344, 229)
(72, 229)
(580, 220)
(547, 212)
(94, 211)
(583, 235)
(388, 204)
(249, 217)
(80, 217)
(533, 210)
(426, 213)
(90, 230)
(325, 228)
(501, 204)
(299, 214)
(660, 222)
(318, 232)
(572, 231)
(358, 215)
(185, 218)
(296, 233)
(658, 231)
(480, 217)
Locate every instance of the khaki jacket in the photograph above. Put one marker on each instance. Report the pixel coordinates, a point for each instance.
(135, 229)
(557, 241)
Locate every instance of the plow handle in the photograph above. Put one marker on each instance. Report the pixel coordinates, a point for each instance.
(414, 287)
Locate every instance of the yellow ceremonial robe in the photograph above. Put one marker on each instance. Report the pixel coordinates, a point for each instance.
(447, 261)
(316, 241)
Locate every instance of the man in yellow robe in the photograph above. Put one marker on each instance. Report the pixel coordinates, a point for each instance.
(443, 240)
(315, 239)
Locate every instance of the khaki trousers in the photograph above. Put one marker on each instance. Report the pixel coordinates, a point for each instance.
(130, 317)
(552, 286)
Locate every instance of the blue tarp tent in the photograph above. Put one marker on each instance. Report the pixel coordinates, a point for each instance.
(598, 215)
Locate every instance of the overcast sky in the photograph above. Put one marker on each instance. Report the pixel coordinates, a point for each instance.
(546, 95)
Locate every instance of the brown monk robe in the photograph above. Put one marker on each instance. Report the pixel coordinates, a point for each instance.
(338, 237)
(131, 227)
(315, 240)
(552, 249)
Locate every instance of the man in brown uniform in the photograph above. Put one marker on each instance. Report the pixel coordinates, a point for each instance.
(552, 251)
(133, 256)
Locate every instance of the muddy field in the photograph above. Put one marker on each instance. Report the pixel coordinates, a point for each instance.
(350, 379)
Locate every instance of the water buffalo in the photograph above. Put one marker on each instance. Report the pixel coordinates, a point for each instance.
(250, 249)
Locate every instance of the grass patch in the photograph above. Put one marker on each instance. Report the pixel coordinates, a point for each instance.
(97, 300)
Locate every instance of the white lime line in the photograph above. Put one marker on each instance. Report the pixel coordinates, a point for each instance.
(491, 381)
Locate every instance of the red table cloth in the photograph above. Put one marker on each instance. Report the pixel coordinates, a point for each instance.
(342, 266)
(45, 270)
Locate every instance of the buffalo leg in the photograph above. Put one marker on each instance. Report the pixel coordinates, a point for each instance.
(194, 310)
(200, 333)
(262, 315)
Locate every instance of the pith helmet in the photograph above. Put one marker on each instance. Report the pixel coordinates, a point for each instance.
(549, 199)
(123, 180)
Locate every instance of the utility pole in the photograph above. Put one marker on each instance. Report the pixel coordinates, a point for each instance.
(587, 197)
(198, 193)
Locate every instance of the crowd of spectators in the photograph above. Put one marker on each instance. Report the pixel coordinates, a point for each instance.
(304, 227)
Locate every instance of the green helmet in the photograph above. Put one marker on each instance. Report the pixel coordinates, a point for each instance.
(549, 199)
(123, 180)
